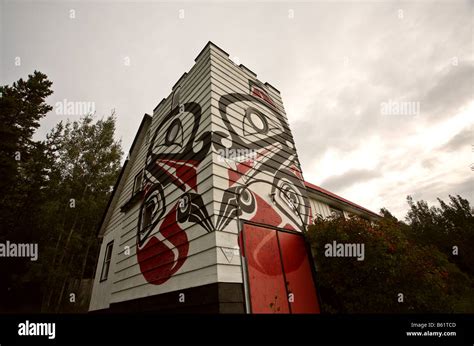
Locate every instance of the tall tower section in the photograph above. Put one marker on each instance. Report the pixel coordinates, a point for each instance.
(210, 209)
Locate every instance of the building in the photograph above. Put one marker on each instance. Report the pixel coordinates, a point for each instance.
(325, 203)
(209, 210)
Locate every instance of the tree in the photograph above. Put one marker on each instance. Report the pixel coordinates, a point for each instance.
(450, 228)
(22, 105)
(86, 162)
(54, 193)
(23, 170)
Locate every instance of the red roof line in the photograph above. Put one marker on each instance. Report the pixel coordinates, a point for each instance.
(330, 194)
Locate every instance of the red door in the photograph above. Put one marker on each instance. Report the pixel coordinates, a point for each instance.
(279, 272)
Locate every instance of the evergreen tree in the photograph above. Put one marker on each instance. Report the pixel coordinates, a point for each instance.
(23, 174)
(449, 227)
(54, 194)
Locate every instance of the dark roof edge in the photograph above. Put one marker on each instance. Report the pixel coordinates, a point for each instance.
(245, 68)
(206, 46)
(179, 81)
(272, 87)
(146, 118)
(158, 105)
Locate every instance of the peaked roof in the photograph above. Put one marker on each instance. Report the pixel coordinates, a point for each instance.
(123, 174)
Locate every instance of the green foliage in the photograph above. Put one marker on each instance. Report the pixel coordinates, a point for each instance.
(393, 264)
(22, 105)
(23, 174)
(54, 195)
(86, 162)
(452, 224)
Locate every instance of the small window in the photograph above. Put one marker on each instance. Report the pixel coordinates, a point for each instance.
(148, 214)
(108, 256)
(137, 183)
(336, 212)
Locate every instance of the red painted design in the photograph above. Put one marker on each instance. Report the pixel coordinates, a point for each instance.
(158, 262)
(266, 281)
(289, 227)
(233, 176)
(261, 153)
(181, 172)
(296, 172)
(262, 95)
(298, 273)
(242, 169)
(278, 264)
(265, 213)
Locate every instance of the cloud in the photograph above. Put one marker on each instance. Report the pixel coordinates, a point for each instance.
(464, 138)
(339, 182)
(452, 90)
(418, 59)
(334, 63)
(433, 190)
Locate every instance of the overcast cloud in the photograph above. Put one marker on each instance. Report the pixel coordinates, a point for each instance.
(336, 64)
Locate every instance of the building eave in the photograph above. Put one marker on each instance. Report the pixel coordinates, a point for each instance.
(145, 123)
(319, 191)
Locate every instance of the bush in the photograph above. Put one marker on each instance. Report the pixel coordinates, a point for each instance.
(393, 265)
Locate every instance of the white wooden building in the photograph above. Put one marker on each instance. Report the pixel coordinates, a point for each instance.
(210, 207)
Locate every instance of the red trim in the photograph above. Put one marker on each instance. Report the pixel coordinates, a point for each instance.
(333, 195)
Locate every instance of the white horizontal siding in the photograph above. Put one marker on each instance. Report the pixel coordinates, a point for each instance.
(204, 276)
(125, 280)
(228, 78)
(319, 208)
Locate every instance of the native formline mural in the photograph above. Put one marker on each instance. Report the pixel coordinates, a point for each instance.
(249, 122)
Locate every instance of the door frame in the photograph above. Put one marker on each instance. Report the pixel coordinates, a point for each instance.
(243, 260)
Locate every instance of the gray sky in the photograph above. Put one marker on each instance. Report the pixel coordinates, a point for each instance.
(337, 64)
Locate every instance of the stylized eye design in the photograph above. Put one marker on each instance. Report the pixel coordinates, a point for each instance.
(251, 122)
(174, 133)
(168, 134)
(191, 208)
(246, 200)
(288, 193)
(290, 196)
(151, 211)
(254, 122)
